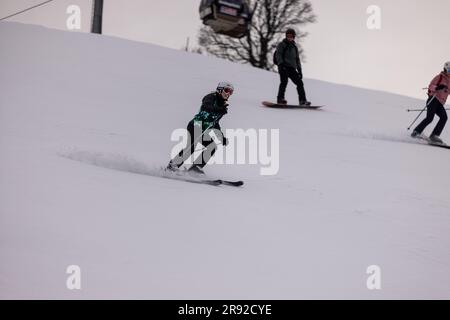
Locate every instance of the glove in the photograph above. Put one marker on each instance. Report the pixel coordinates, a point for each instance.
(224, 111)
(221, 137)
(441, 87)
(224, 141)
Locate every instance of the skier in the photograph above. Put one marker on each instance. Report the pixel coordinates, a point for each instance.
(214, 107)
(438, 92)
(289, 67)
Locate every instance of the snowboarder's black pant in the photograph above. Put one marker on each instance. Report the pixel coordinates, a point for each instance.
(435, 107)
(195, 135)
(287, 73)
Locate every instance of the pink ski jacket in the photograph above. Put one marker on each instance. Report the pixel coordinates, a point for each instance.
(441, 95)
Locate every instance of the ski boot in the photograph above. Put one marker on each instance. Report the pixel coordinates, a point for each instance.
(417, 135)
(435, 139)
(281, 101)
(196, 169)
(305, 103)
(171, 167)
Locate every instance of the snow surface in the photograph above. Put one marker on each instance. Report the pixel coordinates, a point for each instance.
(85, 125)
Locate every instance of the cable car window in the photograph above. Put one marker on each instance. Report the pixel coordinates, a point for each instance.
(229, 11)
(232, 3)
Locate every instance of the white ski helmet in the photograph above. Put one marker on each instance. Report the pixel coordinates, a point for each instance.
(447, 66)
(225, 85)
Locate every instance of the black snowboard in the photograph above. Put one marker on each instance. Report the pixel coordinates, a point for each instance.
(288, 106)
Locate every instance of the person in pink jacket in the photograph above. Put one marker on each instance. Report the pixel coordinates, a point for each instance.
(438, 92)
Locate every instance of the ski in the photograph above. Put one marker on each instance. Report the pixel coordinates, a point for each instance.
(219, 182)
(183, 175)
(288, 106)
(439, 145)
(216, 182)
(427, 142)
(232, 183)
(211, 182)
(193, 180)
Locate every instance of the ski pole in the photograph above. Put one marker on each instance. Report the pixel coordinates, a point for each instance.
(414, 110)
(203, 133)
(431, 100)
(209, 127)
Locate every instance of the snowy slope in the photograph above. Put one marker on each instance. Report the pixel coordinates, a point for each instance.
(351, 191)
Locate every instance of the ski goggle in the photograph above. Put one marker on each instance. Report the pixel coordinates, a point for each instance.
(448, 70)
(228, 90)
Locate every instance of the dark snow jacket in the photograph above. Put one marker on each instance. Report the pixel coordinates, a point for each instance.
(213, 106)
(287, 55)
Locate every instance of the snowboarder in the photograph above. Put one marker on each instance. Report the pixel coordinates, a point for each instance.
(438, 92)
(287, 59)
(214, 107)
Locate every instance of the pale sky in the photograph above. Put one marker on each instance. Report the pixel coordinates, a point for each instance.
(402, 57)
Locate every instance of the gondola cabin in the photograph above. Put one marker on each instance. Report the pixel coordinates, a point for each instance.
(228, 17)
